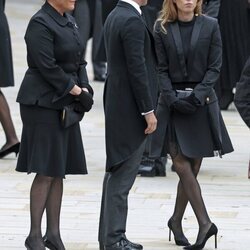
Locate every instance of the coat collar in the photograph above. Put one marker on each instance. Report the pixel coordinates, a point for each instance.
(178, 43)
(61, 20)
(129, 6)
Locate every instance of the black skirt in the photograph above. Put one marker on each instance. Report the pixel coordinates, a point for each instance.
(198, 135)
(46, 147)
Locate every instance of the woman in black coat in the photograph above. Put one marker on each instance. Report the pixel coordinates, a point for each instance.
(6, 80)
(189, 51)
(56, 77)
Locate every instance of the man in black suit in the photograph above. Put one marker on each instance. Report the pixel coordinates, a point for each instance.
(149, 167)
(130, 97)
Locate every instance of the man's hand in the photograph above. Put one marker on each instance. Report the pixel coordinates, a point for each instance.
(151, 122)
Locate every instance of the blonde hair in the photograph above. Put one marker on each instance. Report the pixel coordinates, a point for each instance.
(169, 13)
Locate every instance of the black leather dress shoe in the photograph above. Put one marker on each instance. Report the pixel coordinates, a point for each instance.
(152, 167)
(124, 244)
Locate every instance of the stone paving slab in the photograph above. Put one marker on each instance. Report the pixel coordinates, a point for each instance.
(224, 183)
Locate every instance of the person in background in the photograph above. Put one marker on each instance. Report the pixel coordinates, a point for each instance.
(242, 97)
(88, 15)
(235, 34)
(56, 77)
(6, 79)
(189, 51)
(130, 97)
(211, 8)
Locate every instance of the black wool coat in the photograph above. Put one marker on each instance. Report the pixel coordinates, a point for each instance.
(131, 87)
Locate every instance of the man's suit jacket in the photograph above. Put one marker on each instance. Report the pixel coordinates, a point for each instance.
(211, 8)
(131, 85)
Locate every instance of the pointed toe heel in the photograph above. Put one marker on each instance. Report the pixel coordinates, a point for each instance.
(178, 242)
(213, 230)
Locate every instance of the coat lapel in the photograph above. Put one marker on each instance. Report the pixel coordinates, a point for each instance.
(193, 41)
(179, 48)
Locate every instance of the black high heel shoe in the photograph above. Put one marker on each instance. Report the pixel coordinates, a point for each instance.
(49, 244)
(12, 149)
(179, 242)
(27, 244)
(213, 230)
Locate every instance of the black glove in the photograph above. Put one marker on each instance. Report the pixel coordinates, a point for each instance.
(184, 107)
(79, 108)
(86, 100)
(192, 100)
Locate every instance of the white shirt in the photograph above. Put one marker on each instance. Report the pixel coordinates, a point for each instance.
(134, 4)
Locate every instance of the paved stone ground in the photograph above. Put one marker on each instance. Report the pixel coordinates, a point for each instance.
(226, 189)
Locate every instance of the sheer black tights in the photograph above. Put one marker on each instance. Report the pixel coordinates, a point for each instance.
(6, 121)
(46, 193)
(189, 190)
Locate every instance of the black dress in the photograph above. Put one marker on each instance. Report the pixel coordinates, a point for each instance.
(56, 64)
(6, 65)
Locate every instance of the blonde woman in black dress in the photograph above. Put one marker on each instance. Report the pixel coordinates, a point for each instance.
(189, 51)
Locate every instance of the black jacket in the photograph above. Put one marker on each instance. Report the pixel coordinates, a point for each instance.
(55, 60)
(201, 69)
(242, 94)
(204, 59)
(131, 85)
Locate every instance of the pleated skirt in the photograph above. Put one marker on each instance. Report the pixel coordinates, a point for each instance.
(46, 147)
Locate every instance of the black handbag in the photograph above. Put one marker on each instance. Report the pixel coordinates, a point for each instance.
(70, 116)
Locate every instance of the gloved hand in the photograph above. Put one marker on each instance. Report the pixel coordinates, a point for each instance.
(184, 107)
(79, 108)
(86, 100)
(192, 100)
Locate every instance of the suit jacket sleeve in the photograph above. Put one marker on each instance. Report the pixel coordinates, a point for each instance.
(133, 36)
(212, 74)
(167, 91)
(211, 8)
(40, 47)
(84, 82)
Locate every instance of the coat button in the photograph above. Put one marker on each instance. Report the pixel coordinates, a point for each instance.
(208, 99)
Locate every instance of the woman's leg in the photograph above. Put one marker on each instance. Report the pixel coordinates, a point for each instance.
(39, 192)
(53, 209)
(187, 170)
(181, 202)
(6, 121)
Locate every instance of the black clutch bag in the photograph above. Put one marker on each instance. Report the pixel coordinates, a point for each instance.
(70, 116)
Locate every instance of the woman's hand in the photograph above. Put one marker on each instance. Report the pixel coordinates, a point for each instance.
(76, 90)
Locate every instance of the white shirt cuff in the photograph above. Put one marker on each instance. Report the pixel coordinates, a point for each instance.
(146, 113)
